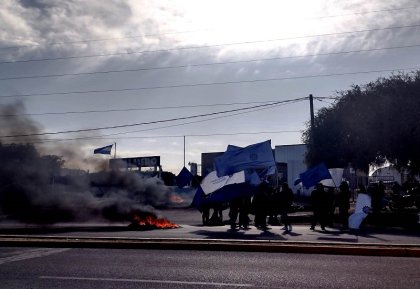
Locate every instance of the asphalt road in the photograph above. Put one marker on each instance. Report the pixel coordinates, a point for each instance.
(115, 268)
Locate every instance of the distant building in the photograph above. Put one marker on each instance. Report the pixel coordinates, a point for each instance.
(290, 161)
(387, 175)
(193, 168)
(207, 160)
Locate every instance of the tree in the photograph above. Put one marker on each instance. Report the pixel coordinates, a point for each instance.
(371, 124)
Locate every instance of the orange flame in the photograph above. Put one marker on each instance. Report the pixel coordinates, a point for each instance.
(153, 221)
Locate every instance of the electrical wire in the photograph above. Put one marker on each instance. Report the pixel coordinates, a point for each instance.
(213, 45)
(165, 136)
(135, 109)
(211, 83)
(291, 101)
(106, 136)
(194, 31)
(144, 123)
(206, 64)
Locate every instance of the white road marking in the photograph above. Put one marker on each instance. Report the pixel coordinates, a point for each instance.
(32, 253)
(145, 281)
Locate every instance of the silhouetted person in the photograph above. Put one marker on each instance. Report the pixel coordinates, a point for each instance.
(244, 210)
(286, 201)
(274, 205)
(377, 195)
(320, 207)
(260, 205)
(234, 206)
(343, 204)
(330, 206)
(205, 215)
(216, 218)
(204, 208)
(373, 192)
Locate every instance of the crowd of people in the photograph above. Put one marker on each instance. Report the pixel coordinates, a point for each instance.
(267, 202)
(271, 206)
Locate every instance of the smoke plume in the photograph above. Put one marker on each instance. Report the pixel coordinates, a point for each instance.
(35, 188)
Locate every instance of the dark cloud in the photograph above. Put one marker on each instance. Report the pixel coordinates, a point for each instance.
(35, 4)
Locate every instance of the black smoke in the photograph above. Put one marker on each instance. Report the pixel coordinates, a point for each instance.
(36, 188)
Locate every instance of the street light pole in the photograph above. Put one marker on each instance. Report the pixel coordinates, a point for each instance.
(311, 104)
(184, 150)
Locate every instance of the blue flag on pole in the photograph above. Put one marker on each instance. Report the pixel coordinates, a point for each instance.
(183, 178)
(314, 175)
(235, 159)
(103, 150)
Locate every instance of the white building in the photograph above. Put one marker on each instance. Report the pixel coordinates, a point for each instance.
(291, 162)
(386, 174)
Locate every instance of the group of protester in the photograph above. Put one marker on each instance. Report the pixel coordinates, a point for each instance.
(267, 202)
(324, 202)
(271, 205)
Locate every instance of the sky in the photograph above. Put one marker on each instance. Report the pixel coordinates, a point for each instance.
(148, 74)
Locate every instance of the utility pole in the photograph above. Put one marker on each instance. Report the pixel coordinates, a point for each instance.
(184, 150)
(311, 104)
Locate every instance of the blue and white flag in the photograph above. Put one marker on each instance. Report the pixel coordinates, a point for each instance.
(363, 207)
(219, 190)
(314, 175)
(212, 182)
(336, 178)
(103, 150)
(235, 159)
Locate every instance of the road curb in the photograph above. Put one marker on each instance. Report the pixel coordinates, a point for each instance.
(214, 245)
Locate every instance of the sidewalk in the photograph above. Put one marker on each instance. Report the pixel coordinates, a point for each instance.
(193, 236)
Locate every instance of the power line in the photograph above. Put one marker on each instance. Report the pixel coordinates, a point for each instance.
(167, 136)
(211, 83)
(194, 31)
(104, 136)
(146, 123)
(327, 97)
(135, 109)
(211, 45)
(323, 100)
(207, 64)
(208, 119)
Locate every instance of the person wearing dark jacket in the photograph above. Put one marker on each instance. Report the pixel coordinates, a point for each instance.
(319, 200)
(260, 205)
(343, 204)
(286, 200)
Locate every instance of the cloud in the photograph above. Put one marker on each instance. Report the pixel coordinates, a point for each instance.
(163, 30)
